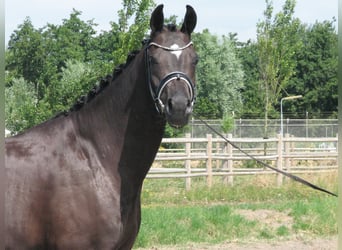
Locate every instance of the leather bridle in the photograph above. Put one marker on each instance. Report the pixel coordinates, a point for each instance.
(175, 75)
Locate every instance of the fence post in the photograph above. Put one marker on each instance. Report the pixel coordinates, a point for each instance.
(228, 150)
(218, 149)
(225, 162)
(337, 145)
(209, 160)
(337, 150)
(188, 162)
(287, 153)
(280, 159)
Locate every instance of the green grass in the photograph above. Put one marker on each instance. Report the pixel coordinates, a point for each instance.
(173, 216)
(174, 225)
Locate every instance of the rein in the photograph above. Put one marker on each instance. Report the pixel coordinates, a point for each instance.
(291, 176)
(175, 75)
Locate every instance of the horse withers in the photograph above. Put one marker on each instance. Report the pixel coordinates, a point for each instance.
(74, 181)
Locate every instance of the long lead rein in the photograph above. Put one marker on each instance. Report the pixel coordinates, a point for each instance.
(291, 176)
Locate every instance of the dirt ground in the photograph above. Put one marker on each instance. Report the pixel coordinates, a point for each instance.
(312, 244)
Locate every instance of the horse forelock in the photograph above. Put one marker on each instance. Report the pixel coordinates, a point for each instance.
(171, 27)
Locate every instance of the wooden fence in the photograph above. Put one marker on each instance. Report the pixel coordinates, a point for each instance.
(193, 157)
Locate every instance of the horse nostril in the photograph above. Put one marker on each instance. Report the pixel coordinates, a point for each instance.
(179, 106)
(169, 105)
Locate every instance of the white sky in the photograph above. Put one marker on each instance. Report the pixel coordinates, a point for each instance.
(219, 16)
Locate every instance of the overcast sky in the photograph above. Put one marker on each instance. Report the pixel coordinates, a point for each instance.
(219, 16)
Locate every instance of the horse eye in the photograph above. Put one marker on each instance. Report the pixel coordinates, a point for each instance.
(153, 60)
(195, 60)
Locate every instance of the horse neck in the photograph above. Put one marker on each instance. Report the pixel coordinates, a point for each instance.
(122, 123)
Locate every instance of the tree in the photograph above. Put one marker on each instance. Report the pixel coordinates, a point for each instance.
(130, 36)
(316, 72)
(38, 55)
(277, 42)
(219, 76)
(20, 108)
(25, 53)
(73, 40)
(77, 78)
(61, 62)
(315, 75)
(252, 101)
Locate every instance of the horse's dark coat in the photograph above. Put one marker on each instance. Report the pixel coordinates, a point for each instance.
(74, 182)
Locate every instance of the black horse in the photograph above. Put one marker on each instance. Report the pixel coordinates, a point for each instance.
(74, 181)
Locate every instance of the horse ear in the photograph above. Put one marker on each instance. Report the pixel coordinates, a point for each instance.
(157, 19)
(190, 20)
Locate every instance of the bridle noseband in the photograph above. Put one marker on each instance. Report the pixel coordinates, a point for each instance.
(175, 75)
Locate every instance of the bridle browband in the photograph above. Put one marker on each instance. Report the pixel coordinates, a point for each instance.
(169, 48)
(175, 75)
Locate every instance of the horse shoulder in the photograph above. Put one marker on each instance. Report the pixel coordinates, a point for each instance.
(58, 187)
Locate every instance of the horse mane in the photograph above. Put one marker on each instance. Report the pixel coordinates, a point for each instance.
(102, 84)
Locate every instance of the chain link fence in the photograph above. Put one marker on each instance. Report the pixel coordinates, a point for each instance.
(254, 128)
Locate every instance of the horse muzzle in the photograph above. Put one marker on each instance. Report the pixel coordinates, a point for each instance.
(178, 110)
(176, 106)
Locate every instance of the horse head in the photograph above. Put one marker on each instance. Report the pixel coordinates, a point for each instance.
(171, 61)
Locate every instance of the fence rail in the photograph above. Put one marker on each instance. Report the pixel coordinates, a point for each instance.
(194, 157)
